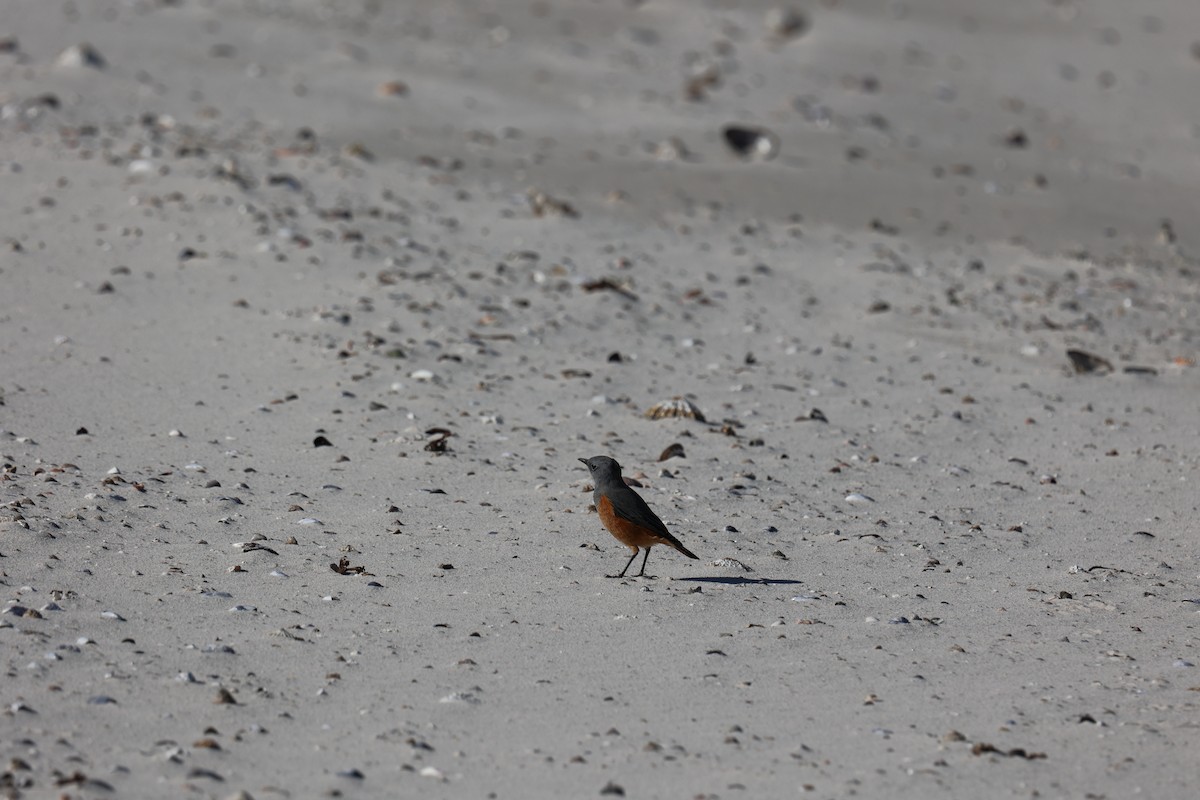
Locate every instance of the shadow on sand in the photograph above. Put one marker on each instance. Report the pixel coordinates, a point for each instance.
(745, 581)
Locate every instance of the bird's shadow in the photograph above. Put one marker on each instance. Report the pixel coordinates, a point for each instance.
(744, 581)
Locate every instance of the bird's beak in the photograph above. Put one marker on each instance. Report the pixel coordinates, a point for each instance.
(583, 461)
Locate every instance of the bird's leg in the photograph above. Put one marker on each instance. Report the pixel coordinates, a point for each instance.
(643, 572)
(627, 563)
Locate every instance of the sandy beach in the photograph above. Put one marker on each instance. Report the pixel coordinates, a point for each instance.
(308, 311)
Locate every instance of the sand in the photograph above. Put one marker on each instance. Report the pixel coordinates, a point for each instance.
(255, 254)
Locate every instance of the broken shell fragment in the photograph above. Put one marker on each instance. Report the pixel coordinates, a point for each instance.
(672, 451)
(785, 23)
(731, 563)
(1084, 362)
(675, 407)
(752, 144)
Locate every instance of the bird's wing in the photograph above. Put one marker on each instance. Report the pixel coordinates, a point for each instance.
(630, 506)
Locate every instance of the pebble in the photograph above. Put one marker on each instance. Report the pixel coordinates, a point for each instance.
(469, 698)
(785, 23)
(731, 563)
(81, 55)
(751, 144)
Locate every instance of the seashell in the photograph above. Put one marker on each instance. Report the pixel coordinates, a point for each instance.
(858, 498)
(731, 563)
(675, 407)
(751, 144)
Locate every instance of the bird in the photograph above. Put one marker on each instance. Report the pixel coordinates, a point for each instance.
(626, 515)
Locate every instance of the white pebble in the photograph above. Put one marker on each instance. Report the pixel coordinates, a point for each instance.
(460, 697)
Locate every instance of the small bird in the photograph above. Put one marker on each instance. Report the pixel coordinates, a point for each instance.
(626, 515)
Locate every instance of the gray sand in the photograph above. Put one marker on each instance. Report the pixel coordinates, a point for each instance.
(935, 558)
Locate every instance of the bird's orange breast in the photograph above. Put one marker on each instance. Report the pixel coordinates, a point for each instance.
(628, 533)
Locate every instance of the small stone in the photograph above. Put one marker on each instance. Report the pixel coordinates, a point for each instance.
(80, 55)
